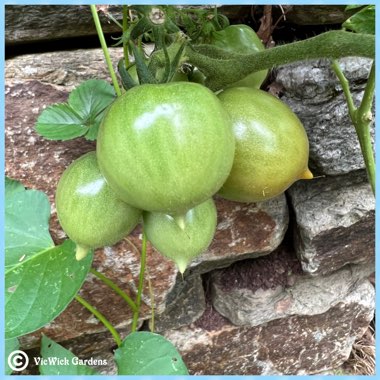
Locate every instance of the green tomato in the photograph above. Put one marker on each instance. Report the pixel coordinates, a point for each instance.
(272, 147)
(182, 244)
(243, 40)
(88, 209)
(166, 148)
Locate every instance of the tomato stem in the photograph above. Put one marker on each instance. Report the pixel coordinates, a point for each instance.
(222, 68)
(361, 117)
(101, 318)
(125, 27)
(115, 288)
(103, 43)
(141, 283)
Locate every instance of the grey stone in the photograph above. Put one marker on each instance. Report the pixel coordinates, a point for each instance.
(313, 92)
(316, 14)
(61, 68)
(295, 345)
(33, 23)
(293, 293)
(335, 222)
(185, 304)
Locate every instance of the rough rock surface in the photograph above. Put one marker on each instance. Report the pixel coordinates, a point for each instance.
(244, 230)
(38, 163)
(62, 68)
(316, 14)
(295, 345)
(313, 92)
(185, 304)
(26, 23)
(258, 291)
(335, 222)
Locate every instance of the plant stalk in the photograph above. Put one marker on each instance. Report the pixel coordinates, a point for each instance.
(115, 288)
(361, 117)
(222, 68)
(103, 43)
(125, 43)
(141, 283)
(101, 318)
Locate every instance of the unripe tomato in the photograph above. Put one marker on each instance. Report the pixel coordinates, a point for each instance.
(182, 244)
(243, 40)
(167, 147)
(272, 147)
(88, 209)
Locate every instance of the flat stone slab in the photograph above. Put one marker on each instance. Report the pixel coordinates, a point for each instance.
(259, 291)
(295, 345)
(335, 222)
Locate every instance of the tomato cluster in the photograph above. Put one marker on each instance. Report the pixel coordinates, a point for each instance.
(164, 150)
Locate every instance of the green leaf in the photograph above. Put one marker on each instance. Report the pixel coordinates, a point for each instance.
(60, 122)
(12, 186)
(353, 6)
(80, 116)
(56, 360)
(145, 353)
(27, 214)
(362, 21)
(38, 289)
(10, 346)
(90, 100)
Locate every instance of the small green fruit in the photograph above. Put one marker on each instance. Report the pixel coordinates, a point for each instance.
(88, 209)
(182, 242)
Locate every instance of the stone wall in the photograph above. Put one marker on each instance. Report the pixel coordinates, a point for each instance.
(283, 288)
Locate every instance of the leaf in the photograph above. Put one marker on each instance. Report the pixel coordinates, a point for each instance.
(145, 353)
(90, 100)
(353, 6)
(362, 21)
(27, 214)
(60, 122)
(12, 186)
(60, 360)
(38, 289)
(80, 116)
(10, 346)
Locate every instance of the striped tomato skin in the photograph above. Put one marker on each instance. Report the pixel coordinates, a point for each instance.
(166, 147)
(88, 209)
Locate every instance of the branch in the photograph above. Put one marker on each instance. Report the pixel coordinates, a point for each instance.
(222, 68)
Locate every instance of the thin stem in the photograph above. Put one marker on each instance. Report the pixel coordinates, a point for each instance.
(115, 288)
(141, 283)
(103, 43)
(151, 301)
(125, 27)
(101, 318)
(346, 88)
(366, 104)
(362, 119)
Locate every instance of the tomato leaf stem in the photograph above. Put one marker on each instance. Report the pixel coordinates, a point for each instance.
(222, 68)
(141, 282)
(361, 117)
(103, 43)
(115, 288)
(101, 318)
(125, 27)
